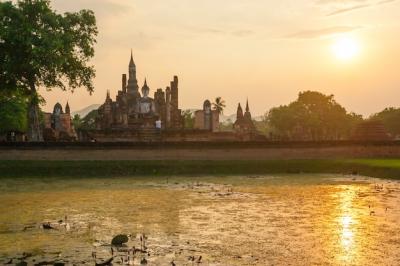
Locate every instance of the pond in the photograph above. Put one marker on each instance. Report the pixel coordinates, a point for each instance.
(248, 220)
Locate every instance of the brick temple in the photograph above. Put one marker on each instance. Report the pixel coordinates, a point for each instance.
(57, 126)
(136, 111)
(134, 116)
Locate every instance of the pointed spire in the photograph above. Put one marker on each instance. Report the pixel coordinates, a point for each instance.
(108, 94)
(67, 109)
(145, 89)
(239, 113)
(131, 63)
(247, 114)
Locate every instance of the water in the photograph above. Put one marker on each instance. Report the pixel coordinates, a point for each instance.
(250, 220)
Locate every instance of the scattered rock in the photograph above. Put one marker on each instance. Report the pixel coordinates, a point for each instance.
(119, 240)
(47, 226)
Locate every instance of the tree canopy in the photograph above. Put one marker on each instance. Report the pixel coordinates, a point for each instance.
(313, 116)
(40, 48)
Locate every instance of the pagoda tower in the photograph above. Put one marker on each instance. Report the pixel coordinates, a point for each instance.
(132, 87)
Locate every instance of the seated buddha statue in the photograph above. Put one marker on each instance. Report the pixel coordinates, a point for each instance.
(146, 104)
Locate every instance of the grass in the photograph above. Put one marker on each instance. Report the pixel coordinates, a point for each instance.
(382, 168)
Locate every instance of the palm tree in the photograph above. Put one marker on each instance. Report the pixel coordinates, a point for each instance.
(219, 105)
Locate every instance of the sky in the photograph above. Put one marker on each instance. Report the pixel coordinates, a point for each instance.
(264, 50)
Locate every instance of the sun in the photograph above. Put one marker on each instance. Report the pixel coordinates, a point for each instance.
(346, 48)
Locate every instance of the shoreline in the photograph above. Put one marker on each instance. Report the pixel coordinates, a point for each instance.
(379, 168)
(198, 151)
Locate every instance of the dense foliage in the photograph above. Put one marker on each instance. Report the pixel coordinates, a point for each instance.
(40, 48)
(86, 123)
(313, 116)
(13, 111)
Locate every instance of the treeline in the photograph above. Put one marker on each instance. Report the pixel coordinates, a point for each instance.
(315, 117)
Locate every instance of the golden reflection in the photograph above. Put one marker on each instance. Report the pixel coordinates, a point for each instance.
(347, 233)
(347, 220)
(228, 221)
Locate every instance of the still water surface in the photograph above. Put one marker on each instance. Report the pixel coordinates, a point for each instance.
(249, 220)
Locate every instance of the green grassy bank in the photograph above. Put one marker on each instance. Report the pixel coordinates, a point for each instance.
(74, 169)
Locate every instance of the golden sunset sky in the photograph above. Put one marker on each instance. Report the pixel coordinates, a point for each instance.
(265, 50)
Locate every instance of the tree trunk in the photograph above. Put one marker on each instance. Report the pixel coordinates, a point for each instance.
(34, 128)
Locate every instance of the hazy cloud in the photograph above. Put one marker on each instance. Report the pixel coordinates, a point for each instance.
(318, 33)
(386, 2)
(348, 9)
(343, 6)
(100, 7)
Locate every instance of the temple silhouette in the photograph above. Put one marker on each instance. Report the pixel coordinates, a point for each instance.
(135, 116)
(137, 111)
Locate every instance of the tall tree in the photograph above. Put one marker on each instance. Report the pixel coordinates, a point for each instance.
(40, 48)
(313, 116)
(219, 105)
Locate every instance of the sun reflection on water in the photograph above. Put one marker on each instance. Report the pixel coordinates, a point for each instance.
(313, 220)
(347, 221)
(347, 233)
